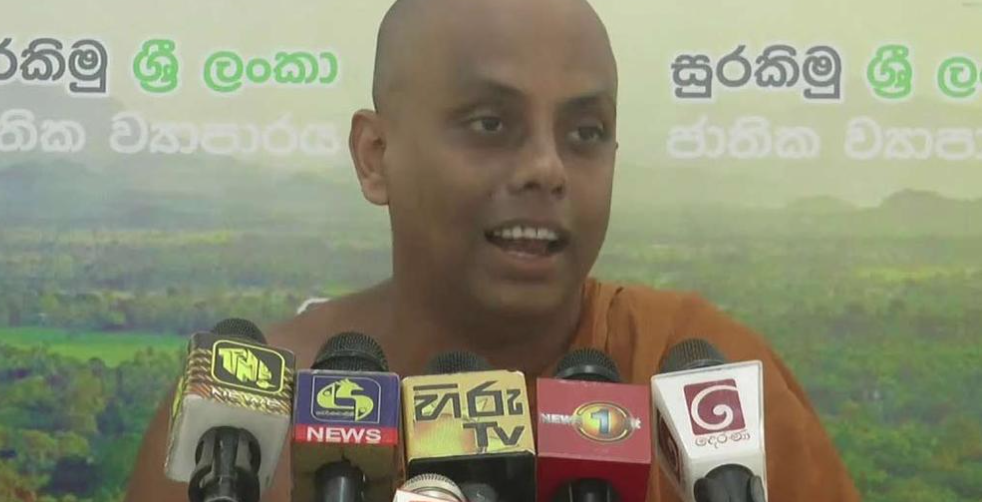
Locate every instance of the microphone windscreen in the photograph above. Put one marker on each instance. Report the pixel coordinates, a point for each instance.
(691, 354)
(457, 362)
(240, 328)
(351, 351)
(436, 486)
(589, 365)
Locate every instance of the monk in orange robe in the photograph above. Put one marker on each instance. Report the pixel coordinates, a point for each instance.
(492, 144)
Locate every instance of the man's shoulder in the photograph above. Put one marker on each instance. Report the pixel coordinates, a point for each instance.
(305, 332)
(642, 300)
(690, 310)
(643, 322)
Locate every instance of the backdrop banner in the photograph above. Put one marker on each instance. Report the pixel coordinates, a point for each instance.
(812, 167)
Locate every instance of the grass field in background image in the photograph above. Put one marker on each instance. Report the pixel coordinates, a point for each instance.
(111, 348)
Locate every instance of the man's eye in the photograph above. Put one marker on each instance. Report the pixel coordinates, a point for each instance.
(587, 134)
(486, 125)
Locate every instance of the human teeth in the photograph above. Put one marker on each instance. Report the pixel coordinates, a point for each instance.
(520, 232)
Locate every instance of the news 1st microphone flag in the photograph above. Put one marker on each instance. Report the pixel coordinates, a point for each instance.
(471, 424)
(231, 414)
(594, 434)
(346, 424)
(710, 424)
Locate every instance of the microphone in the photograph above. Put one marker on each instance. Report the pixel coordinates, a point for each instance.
(231, 414)
(429, 488)
(710, 423)
(471, 424)
(594, 435)
(346, 424)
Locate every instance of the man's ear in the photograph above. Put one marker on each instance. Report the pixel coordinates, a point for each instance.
(367, 145)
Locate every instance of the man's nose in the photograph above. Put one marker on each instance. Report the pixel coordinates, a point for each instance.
(540, 167)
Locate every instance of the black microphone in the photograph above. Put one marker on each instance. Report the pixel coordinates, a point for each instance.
(711, 424)
(346, 424)
(594, 440)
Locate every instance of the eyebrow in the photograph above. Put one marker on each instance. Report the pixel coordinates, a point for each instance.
(477, 85)
(594, 98)
(480, 85)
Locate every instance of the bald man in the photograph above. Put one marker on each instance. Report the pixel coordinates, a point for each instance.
(492, 144)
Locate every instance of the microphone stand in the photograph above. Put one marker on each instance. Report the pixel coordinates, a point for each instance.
(479, 492)
(227, 467)
(730, 483)
(339, 482)
(587, 490)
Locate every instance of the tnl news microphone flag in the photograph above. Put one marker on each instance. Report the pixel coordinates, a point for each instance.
(230, 382)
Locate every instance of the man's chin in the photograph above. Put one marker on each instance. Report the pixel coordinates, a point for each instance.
(520, 300)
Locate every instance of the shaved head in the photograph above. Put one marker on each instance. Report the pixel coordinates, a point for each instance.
(405, 26)
(387, 49)
(492, 118)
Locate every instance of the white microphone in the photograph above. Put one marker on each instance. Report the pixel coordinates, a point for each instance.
(230, 415)
(429, 488)
(710, 425)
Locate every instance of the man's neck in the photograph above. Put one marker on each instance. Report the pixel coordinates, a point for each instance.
(423, 325)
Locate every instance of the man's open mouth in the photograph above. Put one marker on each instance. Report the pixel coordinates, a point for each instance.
(528, 239)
